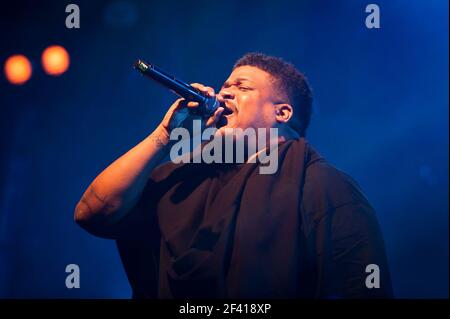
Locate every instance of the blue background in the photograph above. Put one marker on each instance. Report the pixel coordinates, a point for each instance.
(381, 114)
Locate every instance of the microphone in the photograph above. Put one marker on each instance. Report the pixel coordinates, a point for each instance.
(207, 105)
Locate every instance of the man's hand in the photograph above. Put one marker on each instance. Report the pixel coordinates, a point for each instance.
(179, 111)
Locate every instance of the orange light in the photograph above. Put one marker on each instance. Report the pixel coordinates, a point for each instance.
(17, 69)
(55, 60)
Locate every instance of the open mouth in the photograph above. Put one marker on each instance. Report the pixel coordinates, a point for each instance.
(227, 112)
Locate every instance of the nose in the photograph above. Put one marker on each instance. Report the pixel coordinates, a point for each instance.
(225, 94)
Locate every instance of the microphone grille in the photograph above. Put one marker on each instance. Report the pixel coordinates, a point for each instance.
(140, 65)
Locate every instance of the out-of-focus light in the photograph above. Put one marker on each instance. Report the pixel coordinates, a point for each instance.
(55, 60)
(17, 69)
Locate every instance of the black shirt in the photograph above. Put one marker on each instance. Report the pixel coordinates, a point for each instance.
(227, 231)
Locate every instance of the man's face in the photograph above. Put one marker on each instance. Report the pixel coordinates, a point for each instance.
(248, 94)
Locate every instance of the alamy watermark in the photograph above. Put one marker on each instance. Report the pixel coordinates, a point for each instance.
(230, 145)
(373, 19)
(373, 279)
(73, 277)
(73, 18)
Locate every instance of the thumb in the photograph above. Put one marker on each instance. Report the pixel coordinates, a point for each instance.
(215, 117)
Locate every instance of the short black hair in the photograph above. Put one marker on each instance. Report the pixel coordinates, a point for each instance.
(289, 82)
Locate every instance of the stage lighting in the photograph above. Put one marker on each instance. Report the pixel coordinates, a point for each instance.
(55, 60)
(17, 69)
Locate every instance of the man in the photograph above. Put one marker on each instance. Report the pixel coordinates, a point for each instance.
(192, 230)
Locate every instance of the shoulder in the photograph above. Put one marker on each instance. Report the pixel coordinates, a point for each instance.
(327, 188)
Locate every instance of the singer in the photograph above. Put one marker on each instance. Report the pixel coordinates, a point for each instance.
(221, 230)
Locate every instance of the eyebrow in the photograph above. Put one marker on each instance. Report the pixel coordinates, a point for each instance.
(237, 80)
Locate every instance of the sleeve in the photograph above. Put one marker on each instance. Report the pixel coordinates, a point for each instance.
(138, 245)
(351, 260)
(142, 218)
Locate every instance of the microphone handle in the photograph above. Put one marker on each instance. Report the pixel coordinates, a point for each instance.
(207, 105)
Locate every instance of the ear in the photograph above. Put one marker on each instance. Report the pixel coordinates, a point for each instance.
(283, 112)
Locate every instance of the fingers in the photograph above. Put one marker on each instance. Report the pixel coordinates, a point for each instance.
(182, 103)
(192, 104)
(215, 117)
(179, 109)
(207, 89)
(176, 105)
